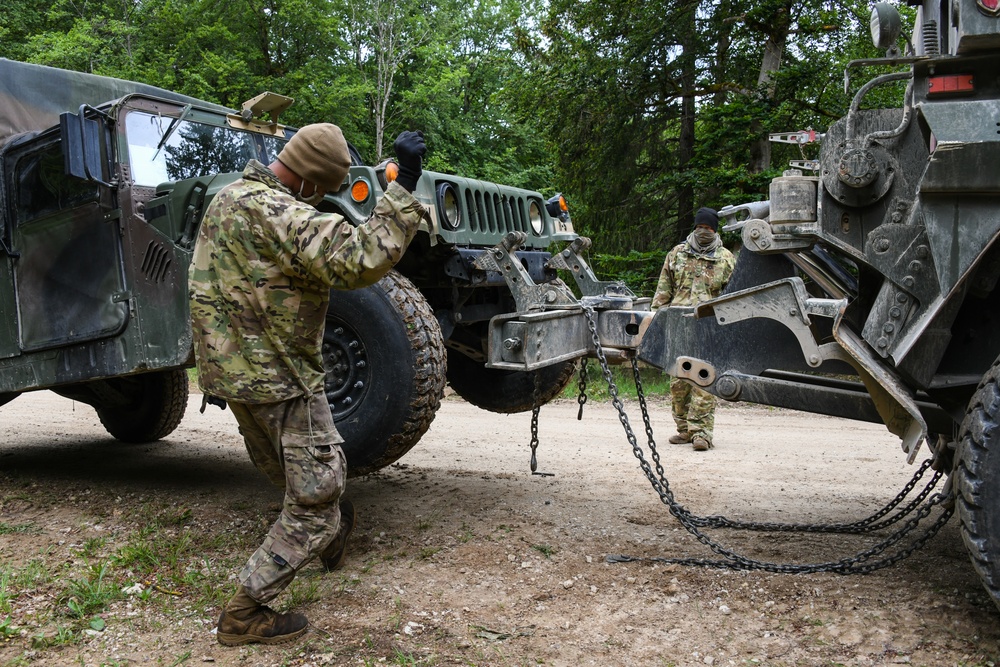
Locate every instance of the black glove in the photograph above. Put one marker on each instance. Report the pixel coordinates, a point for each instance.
(410, 148)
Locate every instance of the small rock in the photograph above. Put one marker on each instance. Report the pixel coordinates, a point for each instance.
(723, 609)
(709, 660)
(568, 583)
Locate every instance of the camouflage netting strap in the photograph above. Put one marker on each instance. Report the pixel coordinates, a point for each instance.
(33, 96)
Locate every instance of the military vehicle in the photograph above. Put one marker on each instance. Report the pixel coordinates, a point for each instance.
(103, 184)
(881, 265)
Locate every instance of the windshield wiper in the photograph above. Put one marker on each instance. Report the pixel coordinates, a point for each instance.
(170, 129)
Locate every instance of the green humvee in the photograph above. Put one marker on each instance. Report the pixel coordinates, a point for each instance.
(102, 186)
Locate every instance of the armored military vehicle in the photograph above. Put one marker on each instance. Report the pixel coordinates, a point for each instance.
(880, 265)
(103, 184)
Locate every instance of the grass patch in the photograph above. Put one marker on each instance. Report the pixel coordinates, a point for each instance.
(654, 382)
(15, 529)
(544, 549)
(92, 593)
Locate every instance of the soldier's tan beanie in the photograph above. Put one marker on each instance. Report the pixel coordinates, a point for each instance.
(318, 153)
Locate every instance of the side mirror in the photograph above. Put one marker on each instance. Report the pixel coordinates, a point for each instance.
(885, 25)
(86, 145)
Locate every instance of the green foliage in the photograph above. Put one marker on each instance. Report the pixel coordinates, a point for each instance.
(638, 111)
(92, 593)
(544, 549)
(7, 629)
(654, 383)
(8, 529)
(617, 83)
(639, 270)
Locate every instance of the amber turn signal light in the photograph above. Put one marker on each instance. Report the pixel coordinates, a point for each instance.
(391, 172)
(360, 191)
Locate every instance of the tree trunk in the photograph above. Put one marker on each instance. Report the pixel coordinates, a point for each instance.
(685, 149)
(760, 151)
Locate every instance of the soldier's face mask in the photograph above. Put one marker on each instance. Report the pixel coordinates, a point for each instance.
(704, 235)
(312, 200)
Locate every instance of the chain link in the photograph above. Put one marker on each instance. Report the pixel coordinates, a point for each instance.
(582, 398)
(859, 563)
(535, 409)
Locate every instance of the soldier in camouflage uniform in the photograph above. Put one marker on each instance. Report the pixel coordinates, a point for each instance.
(260, 280)
(694, 271)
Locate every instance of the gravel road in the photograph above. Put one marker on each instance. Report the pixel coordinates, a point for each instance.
(461, 556)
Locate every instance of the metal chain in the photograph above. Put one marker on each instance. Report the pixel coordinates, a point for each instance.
(582, 398)
(535, 409)
(865, 525)
(860, 562)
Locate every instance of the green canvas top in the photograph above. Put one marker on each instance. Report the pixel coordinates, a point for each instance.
(33, 96)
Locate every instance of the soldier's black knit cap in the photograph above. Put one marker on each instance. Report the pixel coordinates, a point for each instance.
(707, 217)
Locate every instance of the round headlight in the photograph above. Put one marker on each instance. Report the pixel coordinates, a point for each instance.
(885, 25)
(535, 217)
(447, 201)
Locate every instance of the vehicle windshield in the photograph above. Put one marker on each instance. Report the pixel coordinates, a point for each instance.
(191, 149)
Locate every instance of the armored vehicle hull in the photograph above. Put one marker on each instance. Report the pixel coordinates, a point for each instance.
(868, 289)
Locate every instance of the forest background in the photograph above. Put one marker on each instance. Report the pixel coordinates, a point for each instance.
(638, 111)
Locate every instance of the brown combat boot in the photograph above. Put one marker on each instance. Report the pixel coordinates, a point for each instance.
(333, 555)
(700, 444)
(246, 621)
(680, 439)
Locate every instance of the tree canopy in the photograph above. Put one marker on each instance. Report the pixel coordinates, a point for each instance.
(639, 111)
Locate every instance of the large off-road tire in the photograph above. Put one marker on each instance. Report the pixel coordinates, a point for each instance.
(385, 370)
(142, 408)
(978, 480)
(499, 390)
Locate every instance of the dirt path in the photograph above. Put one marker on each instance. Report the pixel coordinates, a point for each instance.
(462, 557)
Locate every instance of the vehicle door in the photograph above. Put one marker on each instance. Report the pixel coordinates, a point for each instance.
(65, 253)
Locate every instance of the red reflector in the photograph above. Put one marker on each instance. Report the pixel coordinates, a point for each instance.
(943, 85)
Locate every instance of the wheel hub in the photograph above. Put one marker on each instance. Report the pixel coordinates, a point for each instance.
(347, 370)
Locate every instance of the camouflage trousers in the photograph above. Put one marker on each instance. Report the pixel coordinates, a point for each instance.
(297, 446)
(694, 409)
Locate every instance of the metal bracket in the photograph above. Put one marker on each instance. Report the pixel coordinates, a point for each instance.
(759, 236)
(527, 295)
(787, 302)
(571, 259)
(892, 400)
(528, 341)
(800, 137)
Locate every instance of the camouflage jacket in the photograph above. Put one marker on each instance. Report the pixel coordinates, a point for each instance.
(260, 281)
(688, 277)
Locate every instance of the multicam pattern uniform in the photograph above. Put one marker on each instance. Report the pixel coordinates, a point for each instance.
(687, 279)
(260, 283)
